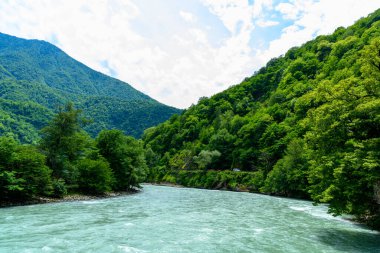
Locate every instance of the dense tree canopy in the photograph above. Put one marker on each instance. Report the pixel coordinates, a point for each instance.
(68, 160)
(23, 173)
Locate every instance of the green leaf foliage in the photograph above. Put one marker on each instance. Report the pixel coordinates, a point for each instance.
(95, 176)
(68, 160)
(23, 173)
(64, 143)
(125, 156)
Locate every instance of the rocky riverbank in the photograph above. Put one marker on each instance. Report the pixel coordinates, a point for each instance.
(67, 198)
(221, 187)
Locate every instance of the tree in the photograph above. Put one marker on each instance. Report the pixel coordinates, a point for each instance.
(125, 156)
(64, 142)
(206, 157)
(23, 173)
(289, 176)
(29, 164)
(182, 160)
(95, 176)
(223, 141)
(370, 67)
(10, 183)
(344, 140)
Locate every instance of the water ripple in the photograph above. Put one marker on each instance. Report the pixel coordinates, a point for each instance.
(165, 219)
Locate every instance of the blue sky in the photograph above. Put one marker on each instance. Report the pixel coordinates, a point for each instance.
(177, 51)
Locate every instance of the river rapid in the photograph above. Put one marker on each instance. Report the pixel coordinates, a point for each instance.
(168, 219)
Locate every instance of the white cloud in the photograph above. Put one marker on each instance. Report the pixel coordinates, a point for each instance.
(266, 23)
(294, 8)
(90, 33)
(260, 6)
(101, 31)
(188, 17)
(184, 65)
(313, 18)
(232, 13)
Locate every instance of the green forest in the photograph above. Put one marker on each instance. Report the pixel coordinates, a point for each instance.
(306, 125)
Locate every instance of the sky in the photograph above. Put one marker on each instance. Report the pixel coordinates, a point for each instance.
(173, 50)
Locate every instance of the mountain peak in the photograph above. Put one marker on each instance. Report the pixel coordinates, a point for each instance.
(41, 73)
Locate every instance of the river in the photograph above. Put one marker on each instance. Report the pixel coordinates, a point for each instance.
(167, 219)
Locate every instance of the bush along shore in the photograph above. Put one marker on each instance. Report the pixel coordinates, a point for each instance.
(67, 164)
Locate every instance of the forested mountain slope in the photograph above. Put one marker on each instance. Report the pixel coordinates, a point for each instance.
(307, 124)
(37, 77)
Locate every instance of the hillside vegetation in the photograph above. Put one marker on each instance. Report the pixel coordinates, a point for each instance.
(36, 78)
(305, 125)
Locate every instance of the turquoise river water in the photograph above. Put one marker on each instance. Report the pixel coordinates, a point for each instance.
(166, 219)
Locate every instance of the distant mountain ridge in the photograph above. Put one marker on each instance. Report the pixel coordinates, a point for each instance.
(40, 61)
(36, 76)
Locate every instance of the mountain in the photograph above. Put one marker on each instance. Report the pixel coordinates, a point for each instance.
(305, 125)
(36, 78)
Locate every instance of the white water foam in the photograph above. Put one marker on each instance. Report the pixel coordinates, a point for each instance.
(91, 202)
(202, 238)
(47, 249)
(207, 230)
(129, 249)
(300, 208)
(315, 212)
